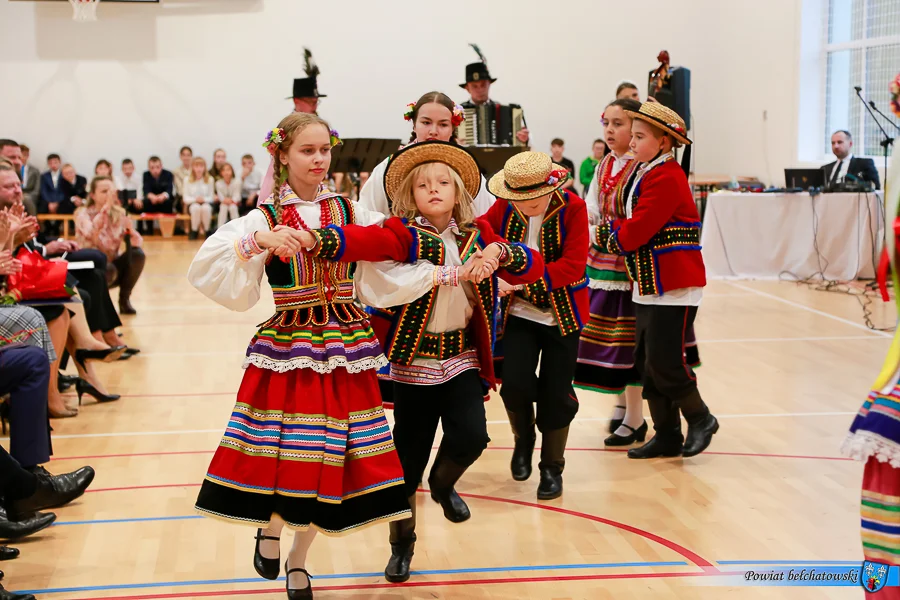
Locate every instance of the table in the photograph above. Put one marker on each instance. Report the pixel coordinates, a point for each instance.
(769, 236)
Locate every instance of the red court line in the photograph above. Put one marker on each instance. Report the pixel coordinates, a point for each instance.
(509, 448)
(412, 584)
(179, 395)
(143, 487)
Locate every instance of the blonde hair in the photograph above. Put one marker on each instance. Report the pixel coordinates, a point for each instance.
(115, 210)
(199, 160)
(404, 202)
(292, 125)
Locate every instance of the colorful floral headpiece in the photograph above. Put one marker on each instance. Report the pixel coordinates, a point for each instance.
(335, 138)
(895, 95)
(273, 139)
(676, 128)
(556, 176)
(459, 115)
(410, 109)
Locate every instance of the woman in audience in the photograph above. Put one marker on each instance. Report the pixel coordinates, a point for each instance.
(103, 168)
(219, 160)
(228, 193)
(104, 225)
(198, 197)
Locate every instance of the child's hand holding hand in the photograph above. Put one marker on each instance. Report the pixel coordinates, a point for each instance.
(281, 240)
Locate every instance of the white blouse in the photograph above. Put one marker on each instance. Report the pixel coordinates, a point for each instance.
(388, 284)
(229, 190)
(198, 189)
(221, 276)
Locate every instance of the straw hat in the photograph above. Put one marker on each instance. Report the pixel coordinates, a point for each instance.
(526, 176)
(663, 118)
(458, 158)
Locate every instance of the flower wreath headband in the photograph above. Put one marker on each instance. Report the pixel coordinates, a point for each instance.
(275, 137)
(457, 117)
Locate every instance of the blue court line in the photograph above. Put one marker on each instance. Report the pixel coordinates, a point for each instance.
(131, 586)
(789, 562)
(141, 520)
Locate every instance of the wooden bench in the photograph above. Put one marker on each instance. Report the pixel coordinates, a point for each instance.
(166, 221)
(66, 219)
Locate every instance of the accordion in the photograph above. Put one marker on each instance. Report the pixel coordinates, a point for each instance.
(491, 125)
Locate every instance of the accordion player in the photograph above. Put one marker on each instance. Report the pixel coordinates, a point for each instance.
(491, 124)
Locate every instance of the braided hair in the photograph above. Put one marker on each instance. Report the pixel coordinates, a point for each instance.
(292, 125)
(436, 98)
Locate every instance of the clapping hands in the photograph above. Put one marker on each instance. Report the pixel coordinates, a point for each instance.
(8, 264)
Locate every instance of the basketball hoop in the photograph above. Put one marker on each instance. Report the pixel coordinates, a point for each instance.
(84, 10)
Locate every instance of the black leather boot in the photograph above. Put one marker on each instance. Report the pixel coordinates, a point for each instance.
(444, 475)
(662, 445)
(52, 491)
(403, 545)
(7, 595)
(553, 461)
(699, 435)
(523, 431)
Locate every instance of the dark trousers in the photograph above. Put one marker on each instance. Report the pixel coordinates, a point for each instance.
(669, 382)
(15, 482)
(524, 344)
(125, 271)
(459, 406)
(25, 376)
(101, 315)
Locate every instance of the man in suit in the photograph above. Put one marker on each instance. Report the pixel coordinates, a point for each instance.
(159, 190)
(51, 186)
(13, 152)
(31, 181)
(848, 167)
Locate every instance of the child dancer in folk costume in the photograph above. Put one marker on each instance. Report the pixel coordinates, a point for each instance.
(441, 339)
(660, 240)
(434, 117)
(542, 320)
(875, 433)
(307, 445)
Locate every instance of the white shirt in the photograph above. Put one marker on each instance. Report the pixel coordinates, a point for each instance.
(129, 184)
(229, 190)
(198, 189)
(592, 198)
(251, 182)
(54, 175)
(523, 308)
(844, 165)
(690, 296)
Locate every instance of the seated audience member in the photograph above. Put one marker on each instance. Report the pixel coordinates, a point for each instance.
(28, 175)
(158, 188)
(557, 147)
(589, 165)
(74, 190)
(251, 180)
(219, 159)
(31, 181)
(228, 194)
(51, 187)
(848, 168)
(105, 226)
(103, 168)
(198, 197)
(627, 89)
(184, 169)
(129, 186)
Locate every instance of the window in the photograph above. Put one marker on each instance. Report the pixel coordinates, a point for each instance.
(862, 48)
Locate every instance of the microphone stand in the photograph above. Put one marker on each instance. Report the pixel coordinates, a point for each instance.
(884, 116)
(888, 140)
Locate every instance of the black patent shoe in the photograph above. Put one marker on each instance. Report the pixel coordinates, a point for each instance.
(636, 435)
(7, 553)
(305, 593)
(615, 423)
(267, 568)
(52, 491)
(657, 448)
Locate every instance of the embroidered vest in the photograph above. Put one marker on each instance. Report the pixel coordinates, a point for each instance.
(551, 241)
(602, 266)
(407, 335)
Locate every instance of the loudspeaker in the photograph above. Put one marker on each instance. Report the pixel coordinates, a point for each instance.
(676, 93)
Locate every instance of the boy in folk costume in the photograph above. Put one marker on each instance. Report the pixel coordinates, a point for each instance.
(541, 321)
(442, 336)
(660, 240)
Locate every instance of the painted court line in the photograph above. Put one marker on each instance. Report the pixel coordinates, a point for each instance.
(339, 576)
(811, 310)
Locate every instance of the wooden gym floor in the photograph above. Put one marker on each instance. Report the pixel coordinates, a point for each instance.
(784, 369)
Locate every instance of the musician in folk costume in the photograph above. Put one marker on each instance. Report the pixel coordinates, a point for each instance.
(434, 117)
(541, 321)
(660, 240)
(478, 84)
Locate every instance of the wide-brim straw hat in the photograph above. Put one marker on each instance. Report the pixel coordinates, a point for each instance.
(663, 118)
(456, 157)
(526, 176)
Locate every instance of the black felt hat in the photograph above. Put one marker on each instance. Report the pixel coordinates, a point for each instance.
(477, 71)
(307, 87)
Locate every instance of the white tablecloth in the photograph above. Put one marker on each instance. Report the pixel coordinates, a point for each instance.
(764, 236)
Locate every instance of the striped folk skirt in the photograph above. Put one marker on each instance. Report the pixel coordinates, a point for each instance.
(314, 448)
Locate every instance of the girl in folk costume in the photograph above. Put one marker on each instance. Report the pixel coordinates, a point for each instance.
(875, 433)
(606, 351)
(442, 335)
(307, 445)
(434, 117)
(542, 320)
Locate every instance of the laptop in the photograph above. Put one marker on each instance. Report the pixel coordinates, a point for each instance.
(804, 178)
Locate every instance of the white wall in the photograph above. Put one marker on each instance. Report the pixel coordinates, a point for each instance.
(209, 73)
